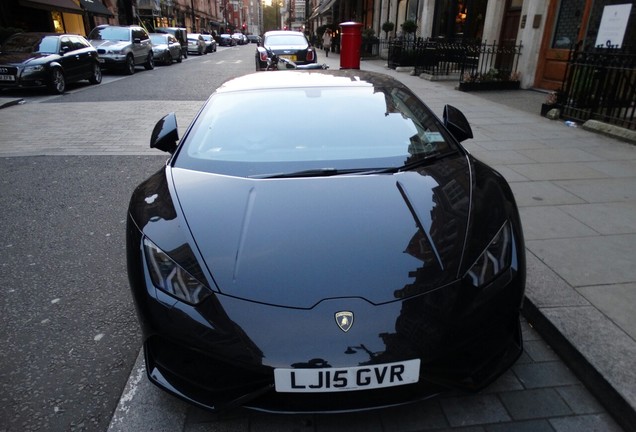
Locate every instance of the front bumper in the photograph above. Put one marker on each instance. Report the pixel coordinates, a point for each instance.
(115, 61)
(26, 80)
(222, 353)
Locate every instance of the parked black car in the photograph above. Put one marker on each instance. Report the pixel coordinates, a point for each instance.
(47, 60)
(226, 40)
(361, 261)
(291, 45)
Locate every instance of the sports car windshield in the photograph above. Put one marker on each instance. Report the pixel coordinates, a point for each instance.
(292, 129)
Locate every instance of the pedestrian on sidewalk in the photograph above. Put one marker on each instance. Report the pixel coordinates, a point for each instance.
(326, 41)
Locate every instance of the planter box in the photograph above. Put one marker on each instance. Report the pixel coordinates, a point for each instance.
(489, 85)
(545, 108)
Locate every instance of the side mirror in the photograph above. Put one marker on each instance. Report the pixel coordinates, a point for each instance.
(456, 123)
(165, 135)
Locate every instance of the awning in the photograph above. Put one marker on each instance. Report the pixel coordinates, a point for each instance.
(149, 4)
(314, 13)
(95, 7)
(56, 5)
(325, 6)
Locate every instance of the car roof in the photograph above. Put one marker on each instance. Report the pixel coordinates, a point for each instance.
(283, 32)
(306, 79)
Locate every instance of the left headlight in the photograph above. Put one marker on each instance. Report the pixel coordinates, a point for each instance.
(171, 278)
(496, 258)
(33, 69)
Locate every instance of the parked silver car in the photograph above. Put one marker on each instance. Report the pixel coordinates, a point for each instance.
(210, 43)
(196, 44)
(122, 47)
(166, 48)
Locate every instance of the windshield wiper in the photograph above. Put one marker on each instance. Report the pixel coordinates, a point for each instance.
(318, 172)
(327, 172)
(420, 161)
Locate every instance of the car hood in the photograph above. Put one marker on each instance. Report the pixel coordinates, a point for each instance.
(24, 59)
(296, 242)
(108, 44)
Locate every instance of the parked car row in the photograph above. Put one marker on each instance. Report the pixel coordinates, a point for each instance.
(52, 60)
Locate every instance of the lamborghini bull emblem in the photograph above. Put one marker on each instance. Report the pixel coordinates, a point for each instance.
(344, 320)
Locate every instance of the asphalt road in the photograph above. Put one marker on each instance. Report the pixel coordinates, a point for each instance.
(68, 330)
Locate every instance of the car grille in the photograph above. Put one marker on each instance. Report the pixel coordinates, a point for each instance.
(8, 70)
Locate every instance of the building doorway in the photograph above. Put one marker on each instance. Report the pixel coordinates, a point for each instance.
(568, 23)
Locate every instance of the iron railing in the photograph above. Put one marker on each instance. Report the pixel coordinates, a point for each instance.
(463, 60)
(600, 84)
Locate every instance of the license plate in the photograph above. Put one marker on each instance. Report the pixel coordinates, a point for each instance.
(289, 57)
(7, 77)
(346, 379)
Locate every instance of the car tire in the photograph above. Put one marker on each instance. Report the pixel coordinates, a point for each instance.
(180, 59)
(57, 85)
(129, 67)
(96, 74)
(150, 63)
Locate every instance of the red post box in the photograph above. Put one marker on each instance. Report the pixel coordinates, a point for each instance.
(350, 42)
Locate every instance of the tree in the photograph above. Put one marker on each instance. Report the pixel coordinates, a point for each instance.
(387, 27)
(271, 16)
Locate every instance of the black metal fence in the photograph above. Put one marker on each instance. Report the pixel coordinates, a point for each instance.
(465, 61)
(600, 84)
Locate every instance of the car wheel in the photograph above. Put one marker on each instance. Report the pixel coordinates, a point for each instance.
(129, 69)
(57, 85)
(96, 75)
(150, 63)
(179, 59)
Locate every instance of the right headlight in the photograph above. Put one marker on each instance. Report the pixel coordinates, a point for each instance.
(171, 278)
(496, 258)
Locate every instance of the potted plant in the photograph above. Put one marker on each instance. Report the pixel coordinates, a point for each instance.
(550, 103)
(492, 80)
(368, 41)
(409, 27)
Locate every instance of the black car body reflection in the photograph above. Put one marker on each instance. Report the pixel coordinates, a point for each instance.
(47, 60)
(362, 261)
